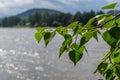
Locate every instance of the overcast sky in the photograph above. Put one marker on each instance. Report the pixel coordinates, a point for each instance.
(12, 7)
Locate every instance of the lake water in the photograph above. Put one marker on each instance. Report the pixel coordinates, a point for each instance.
(22, 58)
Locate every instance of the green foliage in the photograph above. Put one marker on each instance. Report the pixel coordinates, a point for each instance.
(108, 38)
(110, 6)
(76, 55)
(65, 44)
(39, 34)
(109, 66)
(102, 68)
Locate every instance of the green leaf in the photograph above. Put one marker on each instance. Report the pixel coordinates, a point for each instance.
(100, 16)
(63, 48)
(62, 30)
(78, 30)
(73, 25)
(116, 56)
(75, 30)
(38, 36)
(86, 37)
(109, 38)
(106, 56)
(115, 32)
(39, 29)
(109, 24)
(65, 44)
(109, 74)
(103, 67)
(110, 6)
(118, 22)
(47, 37)
(76, 55)
(91, 23)
(117, 71)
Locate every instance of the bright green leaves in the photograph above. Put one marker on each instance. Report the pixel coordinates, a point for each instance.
(48, 36)
(62, 31)
(113, 72)
(73, 25)
(76, 36)
(87, 36)
(116, 57)
(44, 33)
(112, 36)
(110, 6)
(76, 55)
(76, 28)
(108, 22)
(38, 36)
(118, 22)
(65, 44)
(108, 38)
(91, 23)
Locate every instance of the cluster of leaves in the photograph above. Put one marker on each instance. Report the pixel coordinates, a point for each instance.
(74, 45)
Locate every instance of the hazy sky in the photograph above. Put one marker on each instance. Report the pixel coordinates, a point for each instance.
(11, 7)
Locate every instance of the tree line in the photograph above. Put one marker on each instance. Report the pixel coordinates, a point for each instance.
(47, 19)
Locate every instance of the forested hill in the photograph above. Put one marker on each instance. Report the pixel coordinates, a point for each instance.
(46, 17)
(26, 14)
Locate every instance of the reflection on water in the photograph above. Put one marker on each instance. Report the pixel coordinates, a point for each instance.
(21, 58)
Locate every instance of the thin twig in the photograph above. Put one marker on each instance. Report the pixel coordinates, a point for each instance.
(110, 60)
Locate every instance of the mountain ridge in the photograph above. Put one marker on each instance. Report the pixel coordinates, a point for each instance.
(25, 14)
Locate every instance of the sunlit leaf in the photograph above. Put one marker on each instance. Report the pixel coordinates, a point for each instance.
(67, 42)
(116, 55)
(108, 38)
(110, 6)
(109, 24)
(38, 36)
(39, 29)
(62, 30)
(118, 22)
(73, 25)
(86, 37)
(91, 23)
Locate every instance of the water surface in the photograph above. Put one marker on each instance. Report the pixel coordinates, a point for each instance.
(22, 58)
